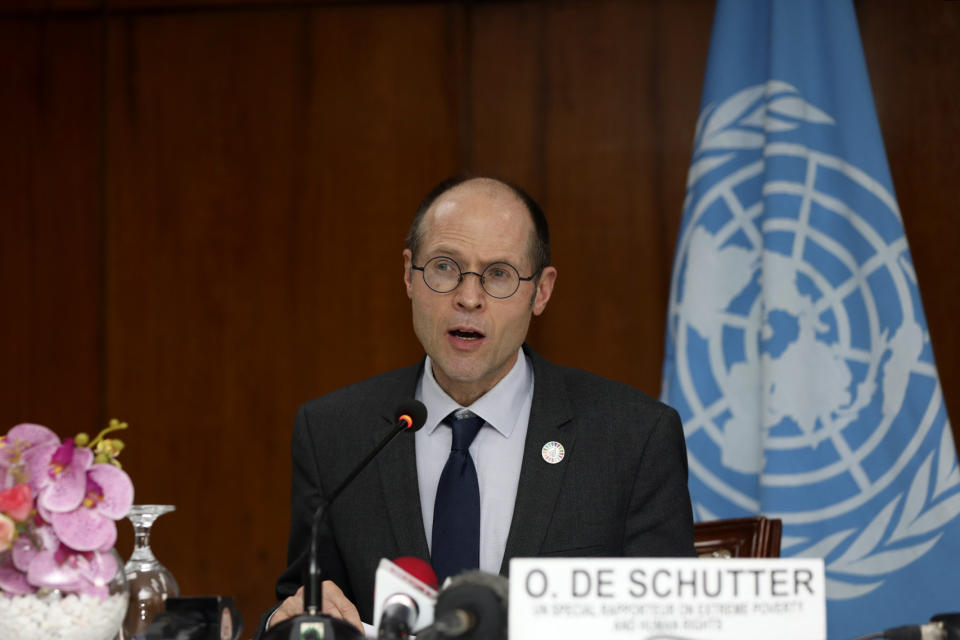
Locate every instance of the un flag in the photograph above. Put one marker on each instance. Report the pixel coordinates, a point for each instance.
(798, 353)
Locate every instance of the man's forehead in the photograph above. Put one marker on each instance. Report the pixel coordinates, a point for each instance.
(480, 201)
(444, 207)
(486, 186)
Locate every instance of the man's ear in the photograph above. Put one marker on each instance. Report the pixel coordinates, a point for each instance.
(548, 278)
(407, 272)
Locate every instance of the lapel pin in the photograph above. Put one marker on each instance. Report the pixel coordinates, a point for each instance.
(553, 452)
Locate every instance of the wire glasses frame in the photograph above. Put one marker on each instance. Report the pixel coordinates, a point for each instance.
(499, 279)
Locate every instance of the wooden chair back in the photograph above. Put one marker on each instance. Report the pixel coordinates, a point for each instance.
(757, 537)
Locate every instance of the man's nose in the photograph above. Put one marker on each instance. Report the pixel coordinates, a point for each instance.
(470, 293)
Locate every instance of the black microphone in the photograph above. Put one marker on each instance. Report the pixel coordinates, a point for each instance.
(408, 416)
(472, 607)
(950, 623)
(399, 619)
(943, 626)
(406, 595)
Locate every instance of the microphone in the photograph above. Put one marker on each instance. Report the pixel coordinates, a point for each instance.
(404, 597)
(409, 415)
(419, 569)
(943, 626)
(473, 606)
(950, 623)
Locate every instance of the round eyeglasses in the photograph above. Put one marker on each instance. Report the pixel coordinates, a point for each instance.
(499, 280)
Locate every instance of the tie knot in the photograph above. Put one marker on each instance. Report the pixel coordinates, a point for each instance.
(465, 427)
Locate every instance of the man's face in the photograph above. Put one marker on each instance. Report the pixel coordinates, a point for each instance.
(471, 337)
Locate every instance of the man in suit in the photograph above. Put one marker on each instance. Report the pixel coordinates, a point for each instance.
(558, 462)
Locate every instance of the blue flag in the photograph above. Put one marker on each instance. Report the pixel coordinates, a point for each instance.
(798, 354)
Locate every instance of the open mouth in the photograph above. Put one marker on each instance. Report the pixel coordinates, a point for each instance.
(464, 334)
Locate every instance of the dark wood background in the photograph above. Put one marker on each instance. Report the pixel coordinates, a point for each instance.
(203, 205)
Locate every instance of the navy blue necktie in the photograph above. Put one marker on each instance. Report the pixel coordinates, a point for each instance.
(456, 511)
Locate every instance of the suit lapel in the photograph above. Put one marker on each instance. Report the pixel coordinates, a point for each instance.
(397, 466)
(539, 486)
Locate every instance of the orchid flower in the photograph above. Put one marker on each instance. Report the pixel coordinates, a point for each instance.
(12, 580)
(26, 548)
(86, 573)
(20, 443)
(58, 505)
(108, 497)
(58, 475)
(23, 437)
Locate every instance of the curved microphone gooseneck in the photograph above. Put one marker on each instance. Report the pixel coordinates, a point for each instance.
(408, 416)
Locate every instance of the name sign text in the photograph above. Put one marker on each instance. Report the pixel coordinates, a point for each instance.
(688, 598)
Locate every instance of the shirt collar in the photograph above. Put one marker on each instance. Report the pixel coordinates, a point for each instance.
(499, 407)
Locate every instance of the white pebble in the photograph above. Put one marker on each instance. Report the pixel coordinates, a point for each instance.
(70, 617)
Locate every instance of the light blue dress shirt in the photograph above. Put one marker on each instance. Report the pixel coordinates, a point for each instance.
(497, 452)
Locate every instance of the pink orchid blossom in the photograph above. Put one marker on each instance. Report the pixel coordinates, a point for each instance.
(57, 566)
(13, 581)
(23, 437)
(87, 573)
(17, 502)
(25, 548)
(17, 446)
(58, 511)
(108, 497)
(58, 475)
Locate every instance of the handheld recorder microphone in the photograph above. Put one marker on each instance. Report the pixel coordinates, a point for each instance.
(404, 597)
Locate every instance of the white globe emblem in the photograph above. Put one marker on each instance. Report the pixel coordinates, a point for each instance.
(795, 348)
(772, 385)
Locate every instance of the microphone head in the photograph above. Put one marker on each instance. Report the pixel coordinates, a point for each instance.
(483, 597)
(419, 569)
(951, 624)
(498, 584)
(411, 411)
(392, 580)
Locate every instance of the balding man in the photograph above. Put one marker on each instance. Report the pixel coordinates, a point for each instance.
(518, 457)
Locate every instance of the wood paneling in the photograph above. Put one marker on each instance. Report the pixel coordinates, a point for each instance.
(204, 206)
(156, 7)
(604, 171)
(506, 101)
(43, 8)
(50, 275)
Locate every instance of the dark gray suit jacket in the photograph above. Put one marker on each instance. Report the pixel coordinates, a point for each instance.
(621, 489)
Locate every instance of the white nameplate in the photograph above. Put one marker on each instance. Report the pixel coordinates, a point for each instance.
(688, 598)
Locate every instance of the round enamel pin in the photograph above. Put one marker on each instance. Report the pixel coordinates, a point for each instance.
(553, 452)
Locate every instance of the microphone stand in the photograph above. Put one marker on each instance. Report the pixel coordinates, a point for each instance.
(313, 624)
(311, 590)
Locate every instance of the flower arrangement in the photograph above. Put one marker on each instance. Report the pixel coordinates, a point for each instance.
(59, 503)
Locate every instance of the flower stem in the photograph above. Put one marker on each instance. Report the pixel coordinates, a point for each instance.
(115, 425)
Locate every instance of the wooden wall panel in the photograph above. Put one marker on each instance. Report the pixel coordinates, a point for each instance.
(43, 8)
(50, 115)
(604, 170)
(262, 170)
(156, 7)
(506, 100)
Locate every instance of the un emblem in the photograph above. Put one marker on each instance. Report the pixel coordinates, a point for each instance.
(798, 354)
